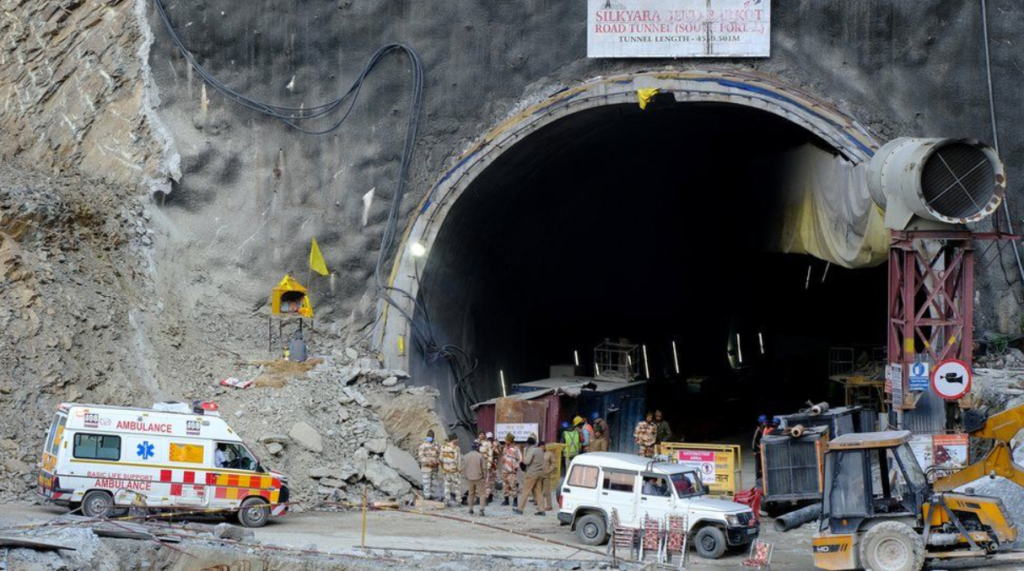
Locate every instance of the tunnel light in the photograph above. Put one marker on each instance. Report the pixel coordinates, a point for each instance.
(760, 340)
(825, 273)
(647, 366)
(576, 357)
(501, 374)
(739, 349)
(417, 250)
(629, 361)
(807, 283)
(675, 356)
(597, 369)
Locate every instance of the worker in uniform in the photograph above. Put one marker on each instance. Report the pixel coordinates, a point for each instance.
(485, 440)
(475, 471)
(571, 438)
(646, 435)
(533, 466)
(429, 457)
(664, 432)
(586, 433)
(451, 468)
(755, 445)
(511, 457)
(550, 466)
(600, 443)
(601, 425)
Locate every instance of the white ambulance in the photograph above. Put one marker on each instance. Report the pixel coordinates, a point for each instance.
(174, 456)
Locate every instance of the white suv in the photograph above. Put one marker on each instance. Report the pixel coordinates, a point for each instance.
(634, 486)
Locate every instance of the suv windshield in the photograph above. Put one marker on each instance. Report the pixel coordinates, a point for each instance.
(687, 484)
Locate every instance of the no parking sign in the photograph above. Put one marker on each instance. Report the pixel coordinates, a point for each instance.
(951, 379)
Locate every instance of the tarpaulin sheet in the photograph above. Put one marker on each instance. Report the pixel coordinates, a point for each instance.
(829, 213)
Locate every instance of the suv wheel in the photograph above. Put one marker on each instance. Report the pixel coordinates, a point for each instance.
(592, 529)
(710, 542)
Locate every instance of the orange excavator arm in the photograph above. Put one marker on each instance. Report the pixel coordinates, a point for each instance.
(1001, 428)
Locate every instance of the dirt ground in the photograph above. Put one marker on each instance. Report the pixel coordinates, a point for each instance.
(398, 535)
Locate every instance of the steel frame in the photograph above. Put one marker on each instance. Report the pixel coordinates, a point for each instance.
(931, 299)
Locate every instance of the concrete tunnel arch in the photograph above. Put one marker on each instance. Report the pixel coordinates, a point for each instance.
(743, 89)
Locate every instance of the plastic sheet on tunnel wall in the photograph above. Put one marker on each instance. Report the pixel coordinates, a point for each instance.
(828, 212)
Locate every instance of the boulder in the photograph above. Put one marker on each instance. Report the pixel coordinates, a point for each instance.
(306, 436)
(377, 445)
(233, 532)
(321, 472)
(9, 445)
(332, 483)
(386, 479)
(271, 438)
(351, 353)
(274, 448)
(390, 381)
(403, 463)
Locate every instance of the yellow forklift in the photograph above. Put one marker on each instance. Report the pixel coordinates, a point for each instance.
(880, 513)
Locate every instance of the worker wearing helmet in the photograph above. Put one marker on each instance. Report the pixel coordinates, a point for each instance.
(487, 449)
(571, 438)
(600, 425)
(586, 432)
(759, 432)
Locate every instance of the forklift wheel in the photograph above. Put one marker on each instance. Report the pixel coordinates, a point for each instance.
(892, 546)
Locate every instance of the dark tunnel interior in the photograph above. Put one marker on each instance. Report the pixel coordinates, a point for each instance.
(653, 226)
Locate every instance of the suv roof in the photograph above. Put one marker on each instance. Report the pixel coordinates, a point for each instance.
(627, 462)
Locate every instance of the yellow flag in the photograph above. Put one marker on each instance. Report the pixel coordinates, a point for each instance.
(645, 96)
(316, 260)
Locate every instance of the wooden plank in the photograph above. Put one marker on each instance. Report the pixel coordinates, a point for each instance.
(32, 543)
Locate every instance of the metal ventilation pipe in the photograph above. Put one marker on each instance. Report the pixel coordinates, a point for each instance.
(951, 181)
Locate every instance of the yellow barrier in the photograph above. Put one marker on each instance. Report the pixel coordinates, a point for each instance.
(720, 465)
(556, 449)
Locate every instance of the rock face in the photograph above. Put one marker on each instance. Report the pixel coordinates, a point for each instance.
(307, 437)
(76, 87)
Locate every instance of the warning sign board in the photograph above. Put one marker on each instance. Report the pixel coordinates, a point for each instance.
(702, 461)
(920, 374)
(718, 464)
(951, 379)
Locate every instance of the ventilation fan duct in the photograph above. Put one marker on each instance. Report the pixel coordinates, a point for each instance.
(951, 181)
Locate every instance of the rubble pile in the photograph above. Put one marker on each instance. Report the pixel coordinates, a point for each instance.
(325, 430)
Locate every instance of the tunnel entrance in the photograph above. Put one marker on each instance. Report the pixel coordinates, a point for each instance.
(658, 226)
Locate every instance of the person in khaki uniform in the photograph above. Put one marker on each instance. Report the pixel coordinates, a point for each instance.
(600, 443)
(550, 465)
(429, 455)
(475, 471)
(486, 447)
(511, 457)
(533, 466)
(451, 469)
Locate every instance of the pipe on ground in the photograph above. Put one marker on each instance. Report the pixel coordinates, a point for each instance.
(793, 520)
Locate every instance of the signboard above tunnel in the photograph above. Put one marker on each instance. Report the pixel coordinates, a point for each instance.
(678, 28)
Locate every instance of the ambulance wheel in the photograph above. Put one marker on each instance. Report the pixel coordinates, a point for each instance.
(892, 546)
(592, 529)
(710, 542)
(254, 512)
(97, 503)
